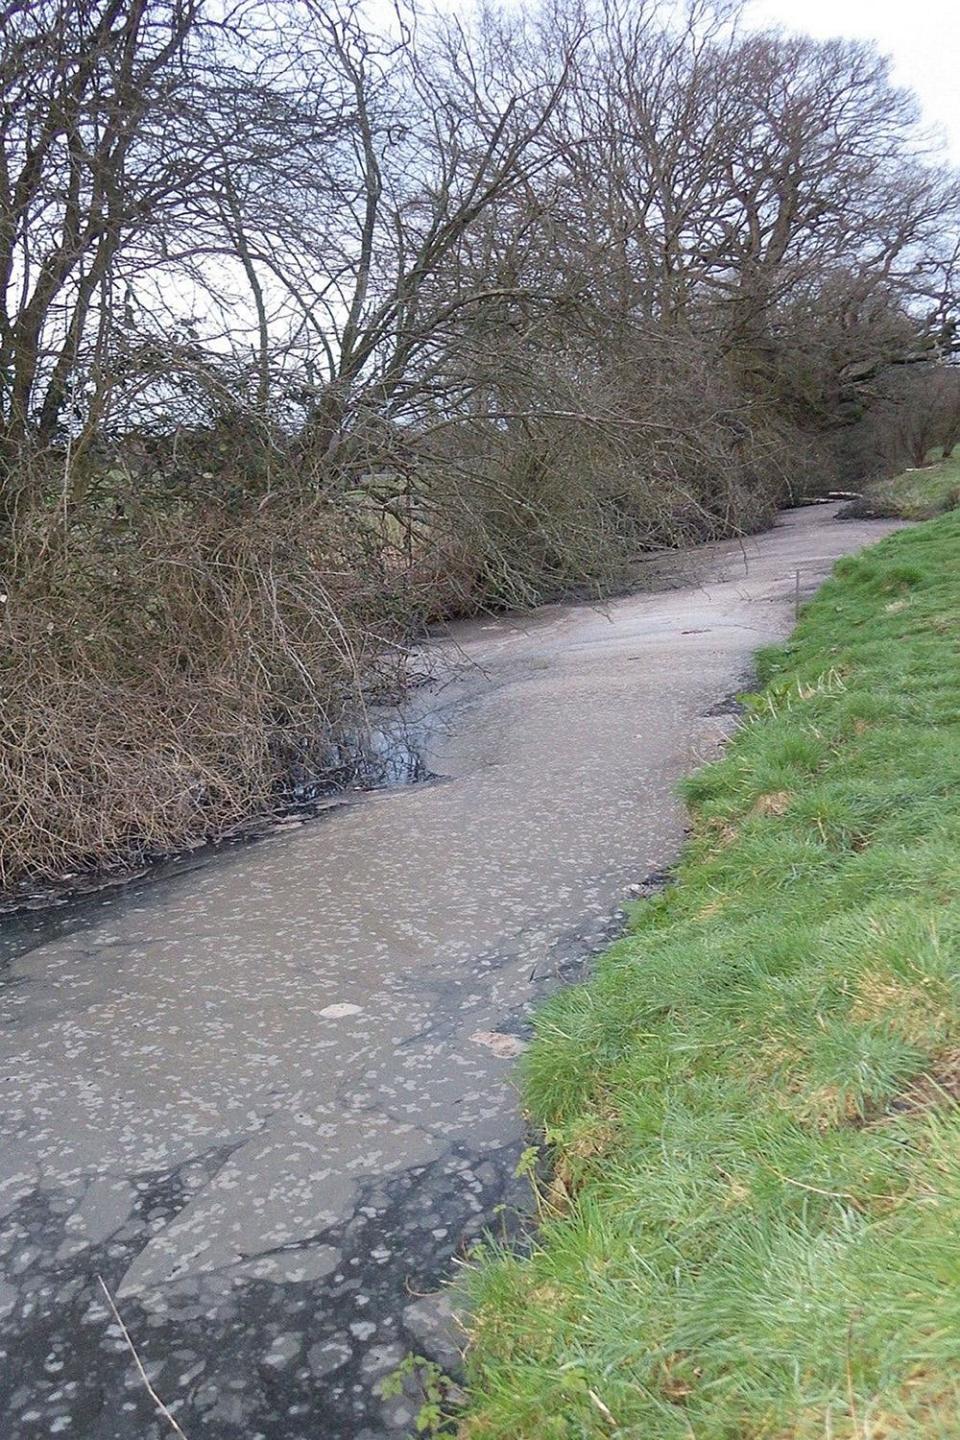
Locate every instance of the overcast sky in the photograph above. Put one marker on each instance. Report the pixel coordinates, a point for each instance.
(922, 36)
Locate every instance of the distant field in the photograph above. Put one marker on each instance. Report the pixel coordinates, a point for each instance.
(753, 1229)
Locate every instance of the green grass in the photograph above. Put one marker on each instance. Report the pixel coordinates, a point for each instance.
(919, 494)
(754, 1225)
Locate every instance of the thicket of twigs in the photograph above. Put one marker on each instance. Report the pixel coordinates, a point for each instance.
(176, 657)
(313, 330)
(168, 673)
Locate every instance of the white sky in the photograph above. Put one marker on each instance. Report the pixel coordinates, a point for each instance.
(921, 36)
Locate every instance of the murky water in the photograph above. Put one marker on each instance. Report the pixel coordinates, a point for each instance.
(268, 1098)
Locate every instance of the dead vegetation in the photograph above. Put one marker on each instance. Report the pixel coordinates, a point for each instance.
(167, 676)
(313, 331)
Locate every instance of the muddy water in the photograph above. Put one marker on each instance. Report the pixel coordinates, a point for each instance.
(267, 1100)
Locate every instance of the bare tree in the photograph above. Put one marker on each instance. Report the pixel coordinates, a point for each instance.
(88, 157)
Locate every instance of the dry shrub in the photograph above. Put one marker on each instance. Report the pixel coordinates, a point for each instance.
(167, 676)
(575, 465)
(196, 619)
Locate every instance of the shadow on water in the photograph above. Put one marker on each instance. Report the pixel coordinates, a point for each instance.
(380, 755)
(386, 753)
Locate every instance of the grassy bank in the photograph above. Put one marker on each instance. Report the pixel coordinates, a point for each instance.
(918, 494)
(754, 1225)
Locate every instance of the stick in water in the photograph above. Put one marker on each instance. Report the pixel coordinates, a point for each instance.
(139, 1364)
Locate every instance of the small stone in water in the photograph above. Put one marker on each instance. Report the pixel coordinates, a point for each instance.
(503, 1046)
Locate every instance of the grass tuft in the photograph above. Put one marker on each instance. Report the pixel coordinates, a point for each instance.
(752, 1106)
(919, 494)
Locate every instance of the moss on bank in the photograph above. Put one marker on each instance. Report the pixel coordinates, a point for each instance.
(754, 1227)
